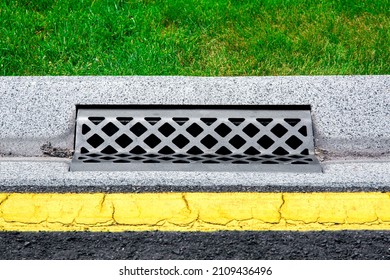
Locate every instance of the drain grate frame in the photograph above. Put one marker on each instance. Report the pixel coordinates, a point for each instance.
(194, 138)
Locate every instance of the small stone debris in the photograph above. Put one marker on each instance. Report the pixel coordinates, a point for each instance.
(49, 150)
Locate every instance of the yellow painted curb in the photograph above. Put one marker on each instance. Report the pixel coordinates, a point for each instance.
(193, 211)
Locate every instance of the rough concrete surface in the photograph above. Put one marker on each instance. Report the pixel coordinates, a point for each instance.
(350, 113)
(325, 245)
(194, 211)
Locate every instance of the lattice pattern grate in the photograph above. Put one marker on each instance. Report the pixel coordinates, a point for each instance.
(152, 139)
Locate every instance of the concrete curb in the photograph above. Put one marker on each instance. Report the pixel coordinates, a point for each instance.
(350, 113)
(352, 137)
(194, 211)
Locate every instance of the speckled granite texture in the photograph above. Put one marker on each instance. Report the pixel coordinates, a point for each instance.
(350, 113)
(49, 175)
(351, 119)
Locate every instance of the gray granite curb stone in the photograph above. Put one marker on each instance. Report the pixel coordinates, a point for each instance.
(350, 113)
(351, 119)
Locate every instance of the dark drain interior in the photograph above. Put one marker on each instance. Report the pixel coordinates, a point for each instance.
(194, 139)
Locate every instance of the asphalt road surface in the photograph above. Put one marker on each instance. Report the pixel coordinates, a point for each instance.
(196, 245)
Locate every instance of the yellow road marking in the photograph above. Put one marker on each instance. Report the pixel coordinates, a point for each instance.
(193, 211)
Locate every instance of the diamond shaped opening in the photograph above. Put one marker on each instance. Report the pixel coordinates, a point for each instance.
(152, 141)
(253, 159)
(236, 121)
(195, 158)
(240, 162)
(280, 152)
(294, 142)
(209, 156)
(303, 130)
(123, 155)
(267, 156)
(208, 121)
(251, 130)
(305, 152)
(180, 155)
(180, 121)
(264, 121)
(194, 129)
(265, 142)
(282, 159)
(110, 129)
(166, 129)
(107, 158)
(223, 130)
(136, 158)
(124, 120)
(166, 158)
(251, 151)
(237, 141)
(85, 129)
(109, 150)
(279, 130)
(296, 156)
(152, 120)
(138, 150)
(96, 120)
(166, 151)
(91, 161)
(138, 129)
(123, 141)
(152, 155)
(94, 155)
(238, 156)
(224, 159)
(209, 141)
(223, 151)
(269, 162)
(95, 140)
(195, 151)
(292, 122)
(180, 141)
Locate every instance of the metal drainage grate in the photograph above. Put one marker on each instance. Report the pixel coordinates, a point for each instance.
(194, 139)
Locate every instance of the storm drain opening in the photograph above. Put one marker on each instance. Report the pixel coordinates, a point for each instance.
(194, 138)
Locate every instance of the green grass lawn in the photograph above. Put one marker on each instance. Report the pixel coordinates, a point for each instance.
(194, 37)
